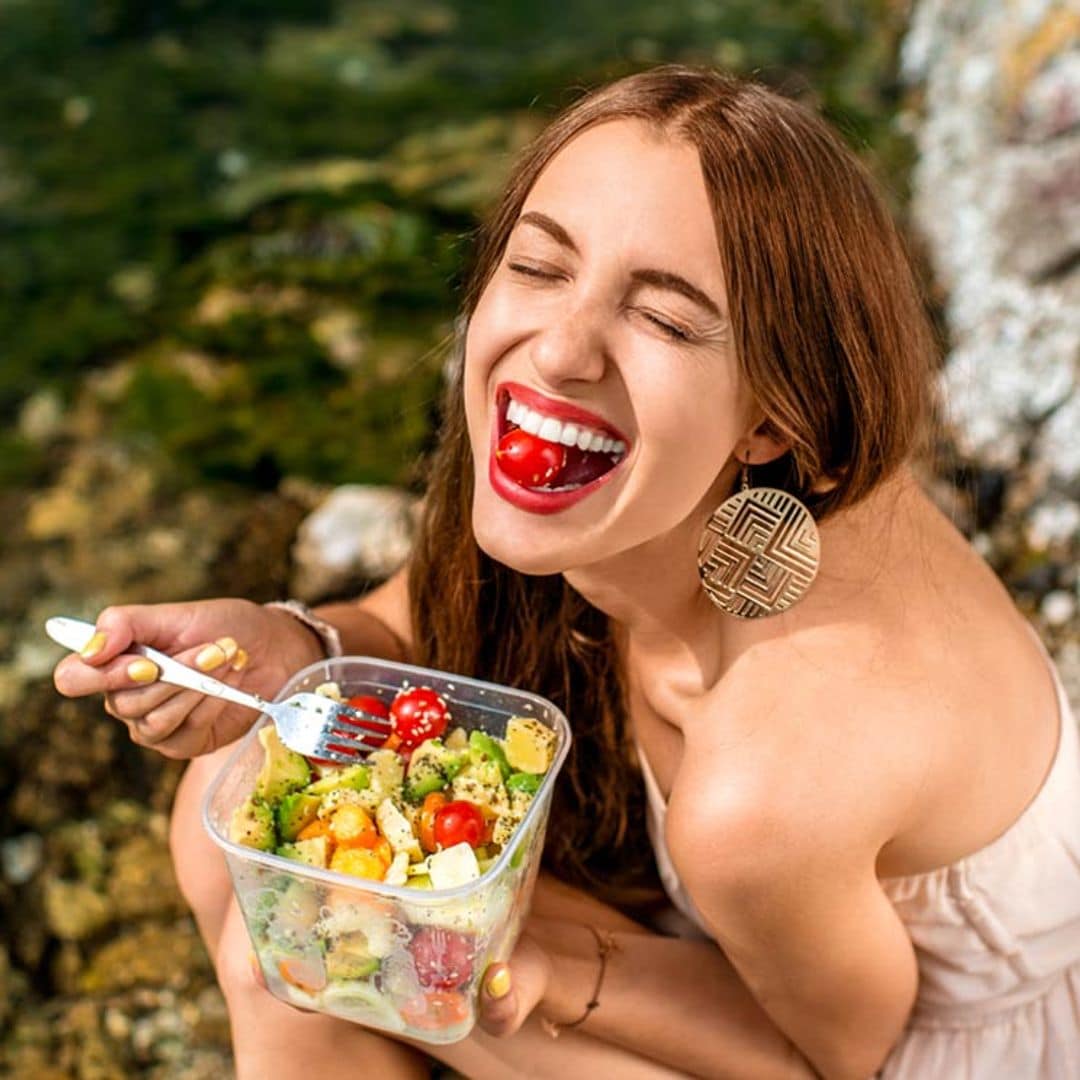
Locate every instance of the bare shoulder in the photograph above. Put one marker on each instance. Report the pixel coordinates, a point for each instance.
(814, 741)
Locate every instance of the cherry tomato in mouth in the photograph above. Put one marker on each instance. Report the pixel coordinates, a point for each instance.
(459, 821)
(528, 460)
(418, 713)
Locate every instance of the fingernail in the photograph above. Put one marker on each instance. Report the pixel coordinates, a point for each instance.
(142, 671)
(498, 986)
(210, 657)
(93, 646)
(240, 660)
(228, 646)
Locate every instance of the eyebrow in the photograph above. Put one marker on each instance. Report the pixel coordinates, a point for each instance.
(662, 279)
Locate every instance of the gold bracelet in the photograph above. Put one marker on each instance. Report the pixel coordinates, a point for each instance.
(605, 944)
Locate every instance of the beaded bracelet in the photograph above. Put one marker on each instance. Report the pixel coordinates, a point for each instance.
(605, 944)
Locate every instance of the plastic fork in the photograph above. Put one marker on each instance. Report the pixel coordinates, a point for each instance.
(311, 724)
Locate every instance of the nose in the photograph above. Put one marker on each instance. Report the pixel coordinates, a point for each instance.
(571, 347)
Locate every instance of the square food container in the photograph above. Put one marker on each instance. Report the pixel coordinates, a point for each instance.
(348, 946)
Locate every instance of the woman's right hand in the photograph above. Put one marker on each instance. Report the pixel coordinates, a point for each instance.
(239, 642)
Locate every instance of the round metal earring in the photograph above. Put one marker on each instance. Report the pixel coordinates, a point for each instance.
(759, 552)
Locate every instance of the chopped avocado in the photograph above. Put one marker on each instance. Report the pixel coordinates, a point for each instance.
(483, 747)
(349, 958)
(420, 881)
(415, 790)
(524, 781)
(252, 824)
(282, 770)
(453, 866)
(530, 745)
(313, 852)
(354, 778)
(294, 811)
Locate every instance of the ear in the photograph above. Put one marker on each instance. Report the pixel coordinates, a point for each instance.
(764, 443)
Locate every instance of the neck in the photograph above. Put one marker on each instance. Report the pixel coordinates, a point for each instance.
(653, 592)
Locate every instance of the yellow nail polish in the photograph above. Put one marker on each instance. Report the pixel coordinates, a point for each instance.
(228, 646)
(498, 986)
(240, 660)
(93, 646)
(210, 657)
(142, 671)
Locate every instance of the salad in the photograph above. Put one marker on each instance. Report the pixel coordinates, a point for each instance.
(432, 809)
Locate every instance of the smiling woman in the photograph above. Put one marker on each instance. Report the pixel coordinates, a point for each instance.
(691, 325)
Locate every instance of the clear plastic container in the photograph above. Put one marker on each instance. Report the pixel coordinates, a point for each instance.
(401, 959)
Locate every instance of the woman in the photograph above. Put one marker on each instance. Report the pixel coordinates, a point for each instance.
(860, 772)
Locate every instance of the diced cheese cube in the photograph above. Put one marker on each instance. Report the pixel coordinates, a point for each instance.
(529, 744)
(397, 871)
(396, 828)
(453, 866)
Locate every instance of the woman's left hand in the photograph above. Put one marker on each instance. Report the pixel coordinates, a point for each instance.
(510, 991)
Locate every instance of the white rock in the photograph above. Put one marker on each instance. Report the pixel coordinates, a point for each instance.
(1058, 607)
(359, 533)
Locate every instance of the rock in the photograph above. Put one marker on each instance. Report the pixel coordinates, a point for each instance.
(1058, 607)
(21, 857)
(74, 910)
(141, 880)
(151, 954)
(995, 197)
(359, 534)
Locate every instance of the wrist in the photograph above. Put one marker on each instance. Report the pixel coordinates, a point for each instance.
(579, 958)
(324, 634)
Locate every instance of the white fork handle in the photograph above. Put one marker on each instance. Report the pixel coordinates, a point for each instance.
(75, 633)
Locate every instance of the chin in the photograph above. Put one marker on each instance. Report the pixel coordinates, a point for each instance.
(516, 545)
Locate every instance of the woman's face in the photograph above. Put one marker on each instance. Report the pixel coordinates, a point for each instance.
(606, 320)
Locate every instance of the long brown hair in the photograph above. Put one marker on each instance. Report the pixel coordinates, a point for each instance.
(831, 335)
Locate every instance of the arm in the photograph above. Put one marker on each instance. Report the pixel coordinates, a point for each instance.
(677, 1002)
(799, 912)
(378, 623)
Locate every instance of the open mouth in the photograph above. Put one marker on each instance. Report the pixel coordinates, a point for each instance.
(549, 454)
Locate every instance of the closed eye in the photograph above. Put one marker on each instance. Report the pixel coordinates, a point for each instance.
(529, 271)
(672, 331)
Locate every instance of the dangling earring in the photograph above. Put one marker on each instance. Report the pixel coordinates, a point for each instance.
(759, 552)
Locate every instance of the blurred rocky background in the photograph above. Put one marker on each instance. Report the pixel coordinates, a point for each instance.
(231, 240)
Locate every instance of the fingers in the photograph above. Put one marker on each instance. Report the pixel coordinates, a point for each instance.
(511, 991)
(77, 676)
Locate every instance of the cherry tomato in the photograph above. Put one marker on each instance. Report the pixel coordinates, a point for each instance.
(528, 460)
(435, 1010)
(431, 806)
(457, 821)
(418, 714)
(367, 703)
(443, 958)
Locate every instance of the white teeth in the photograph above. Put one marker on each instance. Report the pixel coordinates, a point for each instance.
(550, 430)
(531, 422)
(556, 431)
